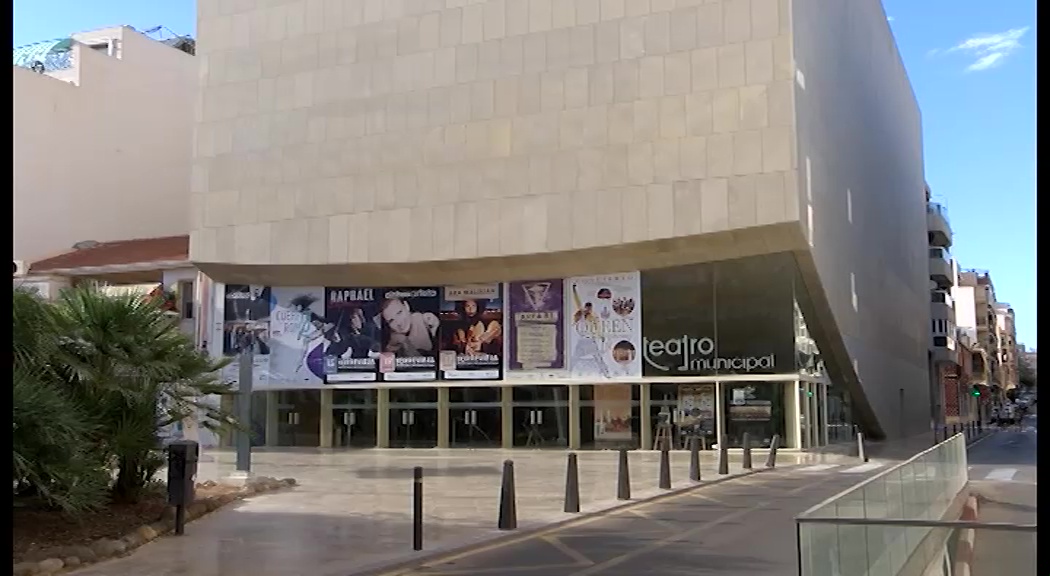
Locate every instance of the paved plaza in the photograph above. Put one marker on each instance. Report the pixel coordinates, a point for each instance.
(352, 510)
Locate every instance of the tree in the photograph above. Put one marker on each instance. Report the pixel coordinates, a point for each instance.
(1026, 375)
(117, 369)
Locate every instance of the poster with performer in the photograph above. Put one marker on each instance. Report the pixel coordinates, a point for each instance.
(409, 324)
(246, 325)
(351, 334)
(471, 332)
(536, 334)
(297, 341)
(604, 322)
(612, 412)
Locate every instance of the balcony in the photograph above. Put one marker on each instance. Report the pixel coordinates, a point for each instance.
(938, 228)
(942, 350)
(941, 306)
(941, 268)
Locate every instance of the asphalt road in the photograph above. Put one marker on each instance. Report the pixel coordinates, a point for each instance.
(739, 527)
(1003, 475)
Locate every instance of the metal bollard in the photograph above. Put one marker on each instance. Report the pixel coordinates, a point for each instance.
(417, 508)
(945, 433)
(572, 485)
(746, 465)
(771, 460)
(861, 452)
(694, 459)
(508, 511)
(665, 468)
(623, 478)
(723, 456)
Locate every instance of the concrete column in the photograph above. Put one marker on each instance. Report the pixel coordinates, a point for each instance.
(273, 418)
(823, 414)
(794, 412)
(645, 401)
(574, 416)
(811, 397)
(720, 412)
(383, 418)
(443, 417)
(506, 400)
(326, 417)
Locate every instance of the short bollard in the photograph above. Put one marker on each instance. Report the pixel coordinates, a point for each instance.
(665, 468)
(861, 452)
(623, 478)
(417, 508)
(723, 456)
(694, 459)
(572, 485)
(182, 469)
(980, 427)
(771, 460)
(746, 464)
(508, 511)
(945, 439)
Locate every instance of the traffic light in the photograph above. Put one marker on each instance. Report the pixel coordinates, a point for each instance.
(976, 390)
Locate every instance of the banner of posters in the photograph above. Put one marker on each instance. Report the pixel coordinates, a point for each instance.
(351, 334)
(246, 323)
(537, 333)
(409, 323)
(296, 337)
(472, 332)
(612, 412)
(605, 325)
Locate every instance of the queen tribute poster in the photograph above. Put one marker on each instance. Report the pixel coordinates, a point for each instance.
(297, 341)
(472, 332)
(536, 334)
(604, 322)
(246, 326)
(409, 325)
(352, 335)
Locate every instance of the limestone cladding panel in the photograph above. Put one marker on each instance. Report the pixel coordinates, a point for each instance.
(369, 131)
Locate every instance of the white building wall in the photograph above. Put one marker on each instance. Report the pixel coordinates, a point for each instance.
(965, 307)
(104, 154)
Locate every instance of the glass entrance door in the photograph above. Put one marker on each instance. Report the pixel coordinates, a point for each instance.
(475, 417)
(354, 418)
(413, 417)
(541, 416)
(299, 418)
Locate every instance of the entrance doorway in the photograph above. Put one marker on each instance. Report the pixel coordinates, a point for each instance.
(413, 417)
(475, 417)
(541, 416)
(354, 418)
(299, 418)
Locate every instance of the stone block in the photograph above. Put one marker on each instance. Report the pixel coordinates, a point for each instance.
(747, 152)
(678, 73)
(731, 66)
(758, 55)
(660, 210)
(687, 208)
(714, 205)
(710, 29)
(741, 201)
(704, 74)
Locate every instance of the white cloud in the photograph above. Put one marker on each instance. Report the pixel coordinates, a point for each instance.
(990, 49)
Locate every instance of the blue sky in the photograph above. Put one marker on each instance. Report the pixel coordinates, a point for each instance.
(971, 62)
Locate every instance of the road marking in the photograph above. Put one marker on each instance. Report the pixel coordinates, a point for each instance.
(1001, 474)
(818, 468)
(863, 468)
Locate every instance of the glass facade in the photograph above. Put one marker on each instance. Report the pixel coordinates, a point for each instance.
(718, 350)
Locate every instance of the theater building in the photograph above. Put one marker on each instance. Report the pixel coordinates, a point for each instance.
(563, 224)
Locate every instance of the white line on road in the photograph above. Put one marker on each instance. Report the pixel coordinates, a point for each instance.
(817, 468)
(1001, 474)
(863, 468)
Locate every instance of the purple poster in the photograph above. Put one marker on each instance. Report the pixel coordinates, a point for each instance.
(536, 335)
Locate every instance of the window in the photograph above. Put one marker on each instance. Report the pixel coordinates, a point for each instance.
(186, 300)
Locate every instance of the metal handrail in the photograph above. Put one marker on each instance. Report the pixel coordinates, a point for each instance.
(960, 524)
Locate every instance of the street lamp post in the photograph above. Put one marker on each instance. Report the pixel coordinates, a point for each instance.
(246, 373)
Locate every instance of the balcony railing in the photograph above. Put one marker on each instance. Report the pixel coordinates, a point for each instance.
(935, 208)
(941, 298)
(941, 253)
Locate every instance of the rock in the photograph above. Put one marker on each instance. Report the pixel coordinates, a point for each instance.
(106, 548)
(209, 484)
(84, 553)
(132, 540)
(196, 510)
(71, 561)
(26, 569)
(161, 527)
(147, 533)
(289, 482)
(50, 566)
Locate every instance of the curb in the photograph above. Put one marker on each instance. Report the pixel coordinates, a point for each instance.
(397, 567)
(964, 546)
(985, 436)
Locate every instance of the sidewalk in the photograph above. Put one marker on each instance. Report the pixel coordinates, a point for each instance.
(352, 510)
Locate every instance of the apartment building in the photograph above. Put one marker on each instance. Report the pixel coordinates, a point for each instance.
(949, 364)
(103, 124)
(1006, 339)
(564, 223)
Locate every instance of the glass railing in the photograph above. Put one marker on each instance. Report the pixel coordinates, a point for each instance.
(941, 253)
(941, 297)
(836, 538)
(935, 208)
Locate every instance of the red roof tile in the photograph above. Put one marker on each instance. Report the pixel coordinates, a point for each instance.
(166, 249)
